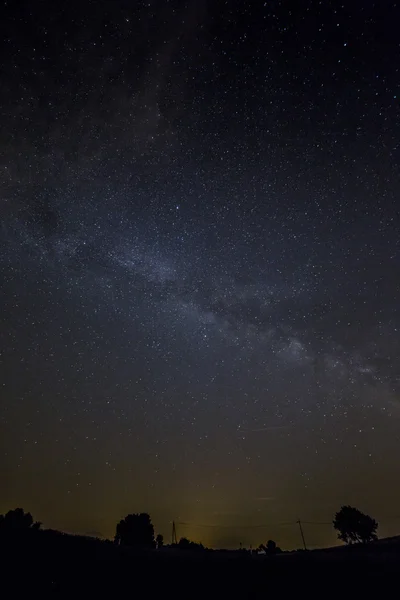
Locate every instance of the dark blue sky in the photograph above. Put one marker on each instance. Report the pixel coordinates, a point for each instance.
(200, 264)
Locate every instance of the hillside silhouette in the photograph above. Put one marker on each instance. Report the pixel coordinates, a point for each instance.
(56, 562)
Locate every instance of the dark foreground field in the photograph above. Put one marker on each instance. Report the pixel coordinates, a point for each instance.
(52, 565)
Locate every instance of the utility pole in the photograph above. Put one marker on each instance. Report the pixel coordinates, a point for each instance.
(302, 534)
(174, 539)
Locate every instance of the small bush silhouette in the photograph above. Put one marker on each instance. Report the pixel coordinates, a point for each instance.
(270, 547)
(185, 544)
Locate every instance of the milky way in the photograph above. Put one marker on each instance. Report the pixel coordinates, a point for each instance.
(200, 265)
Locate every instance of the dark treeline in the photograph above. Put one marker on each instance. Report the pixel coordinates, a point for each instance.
(138, 561)
(136, 530)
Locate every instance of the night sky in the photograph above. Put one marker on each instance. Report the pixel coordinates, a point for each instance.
(200, 265)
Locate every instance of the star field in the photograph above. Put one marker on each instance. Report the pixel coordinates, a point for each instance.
(199, 261)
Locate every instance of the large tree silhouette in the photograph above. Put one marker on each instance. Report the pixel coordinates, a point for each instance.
(17, 521)
(354, 526)
(135, 530)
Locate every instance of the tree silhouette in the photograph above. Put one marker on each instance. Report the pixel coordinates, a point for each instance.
(185, 544)
(17, 521)
(270, 547)
(135, 530)
(354, 526)
(160, 540)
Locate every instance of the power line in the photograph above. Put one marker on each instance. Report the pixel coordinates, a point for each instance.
(266, 525)
(317, 522)
(269, 525)
(235, 526)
